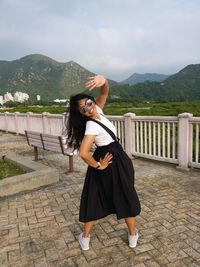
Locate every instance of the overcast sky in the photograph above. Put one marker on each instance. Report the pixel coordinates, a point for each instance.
(111, 37)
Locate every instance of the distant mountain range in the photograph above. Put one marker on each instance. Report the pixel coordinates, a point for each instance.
(182, 86)
(38, 74)
(140, 78)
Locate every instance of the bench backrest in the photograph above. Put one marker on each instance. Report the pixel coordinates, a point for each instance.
(49, 142)
(67, 150)
(34, 139)
(52, 143)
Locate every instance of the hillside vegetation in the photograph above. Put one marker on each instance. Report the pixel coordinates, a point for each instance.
(139, 78)
(183, 86)
(38, 74)
(120, 108)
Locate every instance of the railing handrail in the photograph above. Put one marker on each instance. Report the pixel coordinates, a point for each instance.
(155, 118)
(174, 139)
(115, 117)
(194, 120)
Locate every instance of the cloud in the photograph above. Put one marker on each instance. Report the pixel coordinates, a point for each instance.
(113, 37)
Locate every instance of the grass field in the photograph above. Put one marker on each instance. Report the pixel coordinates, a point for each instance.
(8, 169)
(120, 108)
(155, 109)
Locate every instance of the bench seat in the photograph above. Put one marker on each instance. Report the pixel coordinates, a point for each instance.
(51, 143)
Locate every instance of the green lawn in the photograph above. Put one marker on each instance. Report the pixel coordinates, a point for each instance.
(8, 169)
(120, 108)
(154, 109)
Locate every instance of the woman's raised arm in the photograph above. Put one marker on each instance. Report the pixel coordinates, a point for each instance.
(99, 81)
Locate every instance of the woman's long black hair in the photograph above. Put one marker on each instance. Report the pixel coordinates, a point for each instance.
(76, 122)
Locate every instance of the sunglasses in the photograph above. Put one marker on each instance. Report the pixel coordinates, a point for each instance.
(88, 103)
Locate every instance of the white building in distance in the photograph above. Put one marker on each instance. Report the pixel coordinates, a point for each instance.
(18, 97)
(8, 97)
(62, 101)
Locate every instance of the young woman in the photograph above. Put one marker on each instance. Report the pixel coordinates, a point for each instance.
(109, 183)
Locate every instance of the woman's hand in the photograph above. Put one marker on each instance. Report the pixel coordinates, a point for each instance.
(95, 81)
(105, 161)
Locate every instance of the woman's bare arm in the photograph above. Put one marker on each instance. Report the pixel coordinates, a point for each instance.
(84, 153)
(99, 81)
(84, 150)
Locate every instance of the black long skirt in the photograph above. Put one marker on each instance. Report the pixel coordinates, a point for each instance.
(110, 190)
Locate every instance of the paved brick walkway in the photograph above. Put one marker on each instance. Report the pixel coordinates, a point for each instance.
(39, 228)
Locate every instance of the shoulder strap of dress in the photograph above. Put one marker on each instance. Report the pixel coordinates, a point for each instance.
(107, 129)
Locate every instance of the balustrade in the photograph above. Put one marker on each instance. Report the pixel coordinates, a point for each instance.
(170, 139)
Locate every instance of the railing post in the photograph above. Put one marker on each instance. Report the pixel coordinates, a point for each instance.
(6, 121)
(64, 120)
(45, 122)
(16, 123)
(184, 141)
(129, 134)
(28, 120)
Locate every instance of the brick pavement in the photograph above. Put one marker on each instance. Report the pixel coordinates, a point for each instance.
(39, 228)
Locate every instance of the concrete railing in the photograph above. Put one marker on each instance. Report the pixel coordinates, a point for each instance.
(170, 139)
(194, 142)
(44, 123)
(156, 138)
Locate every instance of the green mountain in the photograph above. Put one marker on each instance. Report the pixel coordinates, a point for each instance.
(139, 78)
(182, 86)
(38, 74)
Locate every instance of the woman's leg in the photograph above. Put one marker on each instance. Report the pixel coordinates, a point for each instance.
(133, 233)
(84, 238)
(88, 228)
(130, 221)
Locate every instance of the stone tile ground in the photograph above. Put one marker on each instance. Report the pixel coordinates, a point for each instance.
(39, 228)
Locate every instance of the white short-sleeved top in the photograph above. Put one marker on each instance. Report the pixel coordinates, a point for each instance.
(103, 138)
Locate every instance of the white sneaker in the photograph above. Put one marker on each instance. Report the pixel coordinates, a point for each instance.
(132, 239)
(84, 241)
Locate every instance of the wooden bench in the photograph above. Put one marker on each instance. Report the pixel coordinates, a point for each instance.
(50, 142)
